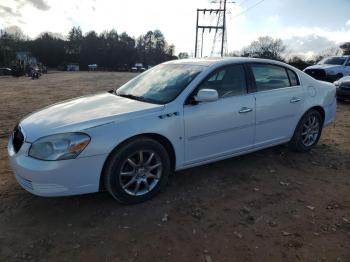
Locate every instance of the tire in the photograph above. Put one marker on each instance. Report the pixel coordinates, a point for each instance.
(137, 171)
(299, 141)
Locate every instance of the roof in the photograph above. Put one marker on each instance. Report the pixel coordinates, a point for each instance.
(223, 61)
(197, 61)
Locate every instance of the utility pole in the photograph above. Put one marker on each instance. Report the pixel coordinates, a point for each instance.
(196, 46)
(220, 26)
(223, 30)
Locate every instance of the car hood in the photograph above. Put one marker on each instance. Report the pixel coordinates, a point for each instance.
(325, 67)
(83, 113)
(344, 79)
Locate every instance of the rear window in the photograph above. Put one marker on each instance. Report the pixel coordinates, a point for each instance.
(268, 77)
(293, 78)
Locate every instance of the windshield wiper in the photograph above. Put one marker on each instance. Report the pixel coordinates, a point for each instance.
(139, 98)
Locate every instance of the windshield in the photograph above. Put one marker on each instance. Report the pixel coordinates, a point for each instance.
(160, 84)
(332, 61)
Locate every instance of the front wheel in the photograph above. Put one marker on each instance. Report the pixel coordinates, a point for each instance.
(308, 132)
(137, 171)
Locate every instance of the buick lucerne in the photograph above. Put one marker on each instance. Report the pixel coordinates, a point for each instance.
(176, 115)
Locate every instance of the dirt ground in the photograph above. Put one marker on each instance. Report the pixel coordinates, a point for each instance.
(272, 205)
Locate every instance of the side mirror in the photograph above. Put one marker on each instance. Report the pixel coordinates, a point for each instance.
(206, 95)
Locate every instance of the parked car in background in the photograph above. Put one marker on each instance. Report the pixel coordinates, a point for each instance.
(174, 116)
(343, 88)
(330, 68)
(92, 67)
(43, 69)
(138, 67)
(123, 68)
(5, 71)
(73, 67)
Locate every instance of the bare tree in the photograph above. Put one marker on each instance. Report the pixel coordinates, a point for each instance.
(346, 48)
(265, 47)
(233, 54)
(331, 51)
(298, 61)
(183, 55)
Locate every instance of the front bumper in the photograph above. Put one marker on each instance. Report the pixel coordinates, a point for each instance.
(328, 78)
(331, 78)
(56, 178)
(343, 94)
(330, 111)
(321, 75)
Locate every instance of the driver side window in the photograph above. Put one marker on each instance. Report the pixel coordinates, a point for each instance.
(227, 81)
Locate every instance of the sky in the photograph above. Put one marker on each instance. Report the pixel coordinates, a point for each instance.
(306, 26)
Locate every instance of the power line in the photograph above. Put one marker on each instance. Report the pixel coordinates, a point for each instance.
(243, 2)
(249, 8)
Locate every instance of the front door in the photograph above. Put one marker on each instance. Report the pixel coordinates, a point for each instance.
(223, 127)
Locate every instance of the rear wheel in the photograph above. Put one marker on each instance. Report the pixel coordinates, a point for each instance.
(137, 171)
(308, 132)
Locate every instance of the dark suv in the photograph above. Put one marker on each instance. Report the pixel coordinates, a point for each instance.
(5, 72)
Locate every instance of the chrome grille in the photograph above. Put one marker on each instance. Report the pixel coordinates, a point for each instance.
(345, 85)
(319, 74)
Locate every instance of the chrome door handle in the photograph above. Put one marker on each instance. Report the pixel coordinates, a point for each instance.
(295, 100)
(245, 110)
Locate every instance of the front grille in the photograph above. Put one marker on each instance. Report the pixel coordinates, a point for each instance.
(17, 138)
(319, 74)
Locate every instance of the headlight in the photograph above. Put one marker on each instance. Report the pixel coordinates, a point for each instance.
(337, 84)
(59, 147)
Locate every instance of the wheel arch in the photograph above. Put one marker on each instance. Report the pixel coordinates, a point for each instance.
(164, 141)
(319, 109)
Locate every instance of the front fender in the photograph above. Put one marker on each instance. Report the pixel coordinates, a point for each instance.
(107, 137)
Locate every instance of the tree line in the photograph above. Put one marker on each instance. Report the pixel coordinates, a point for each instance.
(270, 48)
(109, 49)
(114, 51)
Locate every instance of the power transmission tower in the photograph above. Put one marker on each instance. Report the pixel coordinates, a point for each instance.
(220, 36)
(220, 28)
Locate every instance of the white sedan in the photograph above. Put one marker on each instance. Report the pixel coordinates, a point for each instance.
(177, 115)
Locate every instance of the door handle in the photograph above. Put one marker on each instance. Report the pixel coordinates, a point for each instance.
(245, 110)
(295, 100)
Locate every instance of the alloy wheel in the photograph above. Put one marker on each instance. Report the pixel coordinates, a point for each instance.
(140, 172)
(311, 131)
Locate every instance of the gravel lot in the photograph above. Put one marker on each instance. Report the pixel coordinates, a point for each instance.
(272, 205)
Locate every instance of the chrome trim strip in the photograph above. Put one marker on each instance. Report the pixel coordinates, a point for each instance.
(219, 132)
(274, 119)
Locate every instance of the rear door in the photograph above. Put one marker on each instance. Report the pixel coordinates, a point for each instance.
(279, 103)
